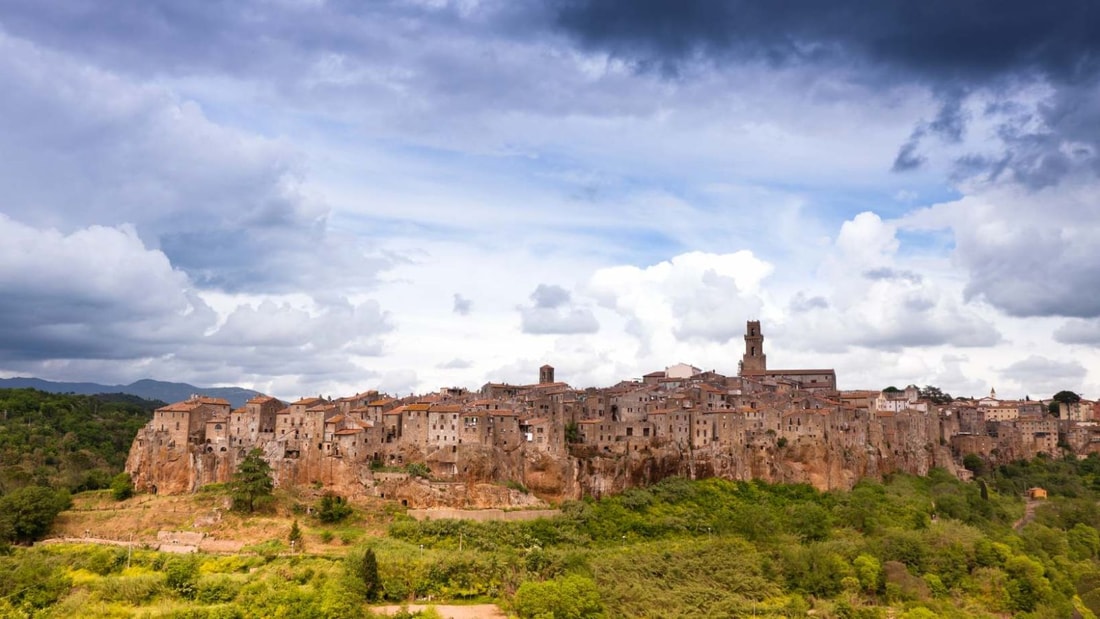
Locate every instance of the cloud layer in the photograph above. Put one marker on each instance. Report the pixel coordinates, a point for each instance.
(289, 194)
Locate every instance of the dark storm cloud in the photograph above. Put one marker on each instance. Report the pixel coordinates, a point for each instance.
(941, 41)
(908, 158)
(953, 48)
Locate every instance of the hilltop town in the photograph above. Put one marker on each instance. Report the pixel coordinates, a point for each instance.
(507, 444)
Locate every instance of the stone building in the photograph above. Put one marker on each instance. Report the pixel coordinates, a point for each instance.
(782, 425)
(754, 364)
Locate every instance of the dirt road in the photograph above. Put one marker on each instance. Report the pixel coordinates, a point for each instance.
(473, 611)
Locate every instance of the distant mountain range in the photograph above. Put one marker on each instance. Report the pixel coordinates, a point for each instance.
(145, 388)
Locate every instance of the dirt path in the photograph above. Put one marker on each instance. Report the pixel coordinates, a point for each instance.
(473, 611)
(1029, 514)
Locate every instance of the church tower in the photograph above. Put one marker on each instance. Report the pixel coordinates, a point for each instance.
(546, 375)
(754, 361)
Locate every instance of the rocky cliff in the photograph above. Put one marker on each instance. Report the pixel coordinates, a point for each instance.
(475, 476)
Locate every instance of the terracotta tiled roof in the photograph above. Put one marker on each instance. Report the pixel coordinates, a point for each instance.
(181, 407)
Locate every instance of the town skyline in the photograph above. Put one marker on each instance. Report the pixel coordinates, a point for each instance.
(776, 424)
(305, 197)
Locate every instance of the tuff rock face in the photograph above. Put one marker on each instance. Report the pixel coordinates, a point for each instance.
(482, 472)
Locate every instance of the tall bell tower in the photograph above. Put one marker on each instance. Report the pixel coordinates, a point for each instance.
(754, 361)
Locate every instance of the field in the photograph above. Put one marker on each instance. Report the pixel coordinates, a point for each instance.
(95, 516)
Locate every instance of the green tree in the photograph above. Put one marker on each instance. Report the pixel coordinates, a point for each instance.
(935, 395)
(182, 576)
(572, 433)
(1027, 587)
(975, 464)
(567, 597)
(338, 601)
(252, 482)
(1066, 397)
(418, 469)
(1062, 397)
(810, 522)
(122, 487)
(66, 441)
(295, 536)
(27, 513)
(332, 508)
(869, 572)
(1084, 541)
(363, 569)
(31, 582)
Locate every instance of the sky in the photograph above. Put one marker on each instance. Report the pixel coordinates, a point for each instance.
(321, 197)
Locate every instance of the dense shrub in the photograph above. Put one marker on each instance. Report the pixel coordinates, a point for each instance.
(569, 597)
